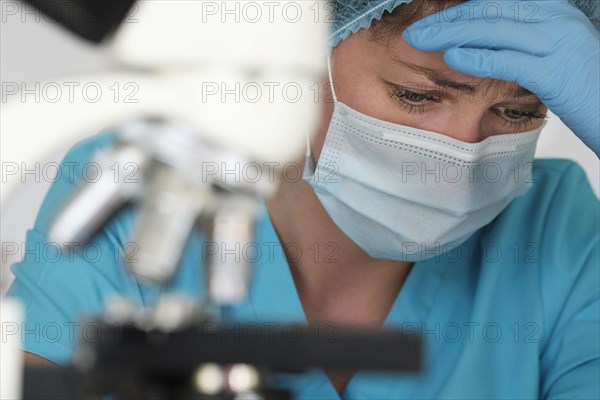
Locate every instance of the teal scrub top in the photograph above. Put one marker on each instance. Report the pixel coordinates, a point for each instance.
(512, 313)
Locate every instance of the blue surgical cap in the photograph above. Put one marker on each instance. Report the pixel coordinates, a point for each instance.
(349, 16)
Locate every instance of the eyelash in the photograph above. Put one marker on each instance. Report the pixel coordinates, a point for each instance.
(401, 95)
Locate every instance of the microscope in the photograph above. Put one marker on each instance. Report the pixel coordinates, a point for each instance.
(190, 60)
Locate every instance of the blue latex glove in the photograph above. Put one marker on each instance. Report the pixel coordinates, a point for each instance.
(548, 47)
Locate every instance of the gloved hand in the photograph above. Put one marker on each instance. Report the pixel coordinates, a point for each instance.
(548, 47)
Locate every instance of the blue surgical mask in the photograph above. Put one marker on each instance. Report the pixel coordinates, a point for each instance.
(402, 193)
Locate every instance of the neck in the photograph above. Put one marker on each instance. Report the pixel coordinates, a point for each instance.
(328, 258)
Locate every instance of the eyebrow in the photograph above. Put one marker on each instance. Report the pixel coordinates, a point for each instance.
(442, 80)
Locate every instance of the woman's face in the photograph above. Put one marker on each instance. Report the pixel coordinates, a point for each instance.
(400, 84)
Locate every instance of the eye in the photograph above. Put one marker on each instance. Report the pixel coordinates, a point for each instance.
(411, 100)
(519, 119)
(413, 97)
(516, 114)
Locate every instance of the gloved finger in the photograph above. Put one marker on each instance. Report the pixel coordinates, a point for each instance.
(481, 33)
(526, 11)
(505, 65)
(506, 29)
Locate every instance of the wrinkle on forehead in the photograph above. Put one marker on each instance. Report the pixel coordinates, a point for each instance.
(433, 67)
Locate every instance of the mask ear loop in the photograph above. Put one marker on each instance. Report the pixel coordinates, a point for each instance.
(331, 77)
(309, 163)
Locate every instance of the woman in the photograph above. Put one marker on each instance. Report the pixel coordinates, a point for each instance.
(499, 272)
